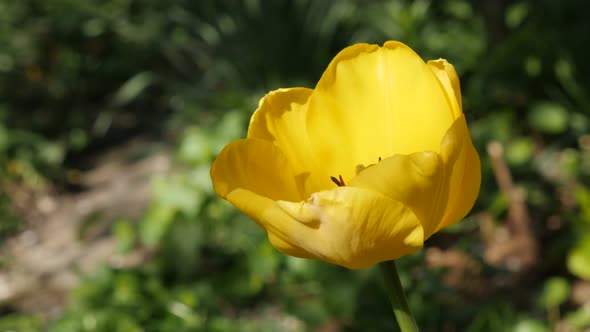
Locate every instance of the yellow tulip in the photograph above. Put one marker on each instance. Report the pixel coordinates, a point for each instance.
(363, 168)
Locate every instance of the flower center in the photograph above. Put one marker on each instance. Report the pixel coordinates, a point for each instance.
(339, 181)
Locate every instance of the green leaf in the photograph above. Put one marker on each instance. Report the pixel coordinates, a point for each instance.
(133, 88)
(520, 151)
(530, 325)
(580, 318)
(516, 13)
(549, 118)
(52, 153)
(155, 223)
(230, 127)
(459, 9)
(533, 66)
(4, 138)
(195, 146)
(579, 123)
(176, 192)
(583, 200)
(263, 262)
(578, 259)
(555, 292)
(125, 235)
(20, 322)
(78, 139)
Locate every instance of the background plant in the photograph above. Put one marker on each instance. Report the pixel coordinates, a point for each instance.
(79, 78)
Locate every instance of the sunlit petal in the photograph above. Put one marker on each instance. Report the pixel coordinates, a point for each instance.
(375, 102)
(354, 227)
(280, 119)
(447, 76)
(439, 188)
(416, 180)
(463, 169)
(254, 165)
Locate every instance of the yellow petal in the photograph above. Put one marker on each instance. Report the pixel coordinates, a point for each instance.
(416, 180)
(375, 102)
(268, 215)
(439, 188)
(354, 227)
(447, 76)
(463, 165)
(257, 166)
(280, 119)
(287, 248)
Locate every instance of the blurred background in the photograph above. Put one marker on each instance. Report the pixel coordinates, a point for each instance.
(112, 111)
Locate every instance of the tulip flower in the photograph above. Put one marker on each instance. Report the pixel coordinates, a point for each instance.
(362, 169)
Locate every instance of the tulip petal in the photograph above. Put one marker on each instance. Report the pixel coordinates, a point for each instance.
(439, 188)
(416, 180)
(375, 102)
(257, 166)
(280, 119)
(268, 215)
(447, 76)
(463, 165)
(354, 227)
(287, 248)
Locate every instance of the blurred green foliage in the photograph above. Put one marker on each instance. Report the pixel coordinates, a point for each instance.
(78, 77)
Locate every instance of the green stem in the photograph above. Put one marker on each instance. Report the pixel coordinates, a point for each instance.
(397, 297)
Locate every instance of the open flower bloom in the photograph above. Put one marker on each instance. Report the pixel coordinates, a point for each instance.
(363, 168)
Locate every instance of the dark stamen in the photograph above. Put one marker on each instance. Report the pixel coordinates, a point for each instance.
(335, 180)
(379, 159)
(339, 182)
